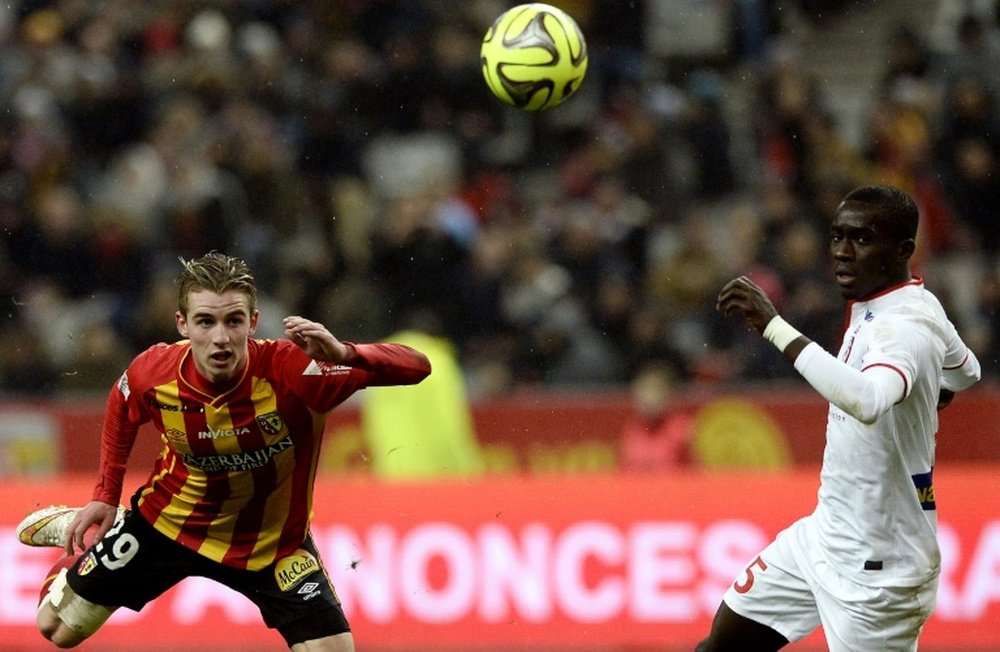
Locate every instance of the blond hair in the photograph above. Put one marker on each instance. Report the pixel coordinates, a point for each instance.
(217, 273)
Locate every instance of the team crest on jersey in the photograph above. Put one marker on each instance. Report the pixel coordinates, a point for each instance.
(270, 423)
(88, 564)
(294, 568)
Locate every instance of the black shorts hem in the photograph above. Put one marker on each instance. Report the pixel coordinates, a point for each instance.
(320, 624)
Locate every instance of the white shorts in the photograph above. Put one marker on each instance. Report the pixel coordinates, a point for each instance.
(792, 590)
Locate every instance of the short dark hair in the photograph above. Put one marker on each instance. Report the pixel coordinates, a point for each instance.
(895, 208)
(218, 273)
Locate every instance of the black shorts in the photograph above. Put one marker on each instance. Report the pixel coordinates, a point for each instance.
(135, 563)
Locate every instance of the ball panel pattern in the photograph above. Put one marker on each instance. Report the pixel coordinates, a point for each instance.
(534, 57)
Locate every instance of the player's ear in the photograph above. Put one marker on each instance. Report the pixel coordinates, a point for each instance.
(181, 322)
(254, 316)
(906, 248)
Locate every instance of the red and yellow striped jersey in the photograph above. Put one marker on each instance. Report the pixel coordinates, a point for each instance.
(234, 481)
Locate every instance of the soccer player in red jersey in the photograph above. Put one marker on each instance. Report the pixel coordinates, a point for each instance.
(230, 497)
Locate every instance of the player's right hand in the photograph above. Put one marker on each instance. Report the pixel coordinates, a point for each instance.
(315, 340)
(94, 513)
(743, 296)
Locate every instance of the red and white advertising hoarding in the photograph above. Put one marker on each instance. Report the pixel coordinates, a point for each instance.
(599, 562)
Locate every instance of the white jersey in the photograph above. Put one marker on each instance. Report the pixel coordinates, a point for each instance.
(876, 519)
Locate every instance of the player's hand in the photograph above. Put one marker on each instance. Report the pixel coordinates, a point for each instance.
(945, 398)
(744, 297)
(94, 513)
(315, 340)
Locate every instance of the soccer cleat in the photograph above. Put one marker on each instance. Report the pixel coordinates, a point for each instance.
(47, 526)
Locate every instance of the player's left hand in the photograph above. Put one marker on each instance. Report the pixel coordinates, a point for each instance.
(315, 340)
(944, 398)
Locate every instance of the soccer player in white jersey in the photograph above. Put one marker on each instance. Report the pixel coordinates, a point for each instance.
(865, 563)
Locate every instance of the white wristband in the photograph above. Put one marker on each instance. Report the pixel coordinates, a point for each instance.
(780, 333)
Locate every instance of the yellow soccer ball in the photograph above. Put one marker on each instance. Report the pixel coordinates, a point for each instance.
(534, 56)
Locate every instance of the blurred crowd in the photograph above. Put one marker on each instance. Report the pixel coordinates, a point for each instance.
(351, 153)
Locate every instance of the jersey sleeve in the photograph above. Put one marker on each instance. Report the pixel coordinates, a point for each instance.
(887, 369)
(123, 414)
(390, 364)
(324, 385)
(960, 369)
(900, 344)
(864, 394)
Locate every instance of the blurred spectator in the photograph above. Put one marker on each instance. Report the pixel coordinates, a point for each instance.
(985, 330)
(682, 268)
(967, 150)
(25, 365)
(420, 263)
(976, 53)
(808, 294)
(428, 432)
(786, 97)
(910, 69)
(54, 246)
(943, 32)
(657, 436)
(900, 148)
(708, 136)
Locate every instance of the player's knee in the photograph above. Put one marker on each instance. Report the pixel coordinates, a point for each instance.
(65, 618)
(55, 630)
(47, 620)
(66, 638)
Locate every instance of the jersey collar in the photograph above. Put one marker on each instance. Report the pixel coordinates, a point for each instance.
(883, 298)
(188, 374)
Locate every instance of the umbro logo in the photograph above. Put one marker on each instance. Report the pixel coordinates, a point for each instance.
(309, 590)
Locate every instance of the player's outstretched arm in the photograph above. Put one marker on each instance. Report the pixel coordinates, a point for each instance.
(863, 396)
(389, 364)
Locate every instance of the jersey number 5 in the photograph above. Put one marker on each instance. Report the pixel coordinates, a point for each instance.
(746, 585)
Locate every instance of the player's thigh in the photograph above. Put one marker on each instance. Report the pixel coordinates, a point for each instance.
(130, 566)
(336, 643)
(76, 620)
(772, 592)
(296, 597)
(857, 617)
(732, 632)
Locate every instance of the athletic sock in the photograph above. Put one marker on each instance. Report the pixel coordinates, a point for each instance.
(66, 561)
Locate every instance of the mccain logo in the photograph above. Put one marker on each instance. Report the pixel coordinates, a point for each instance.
(294, 568)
